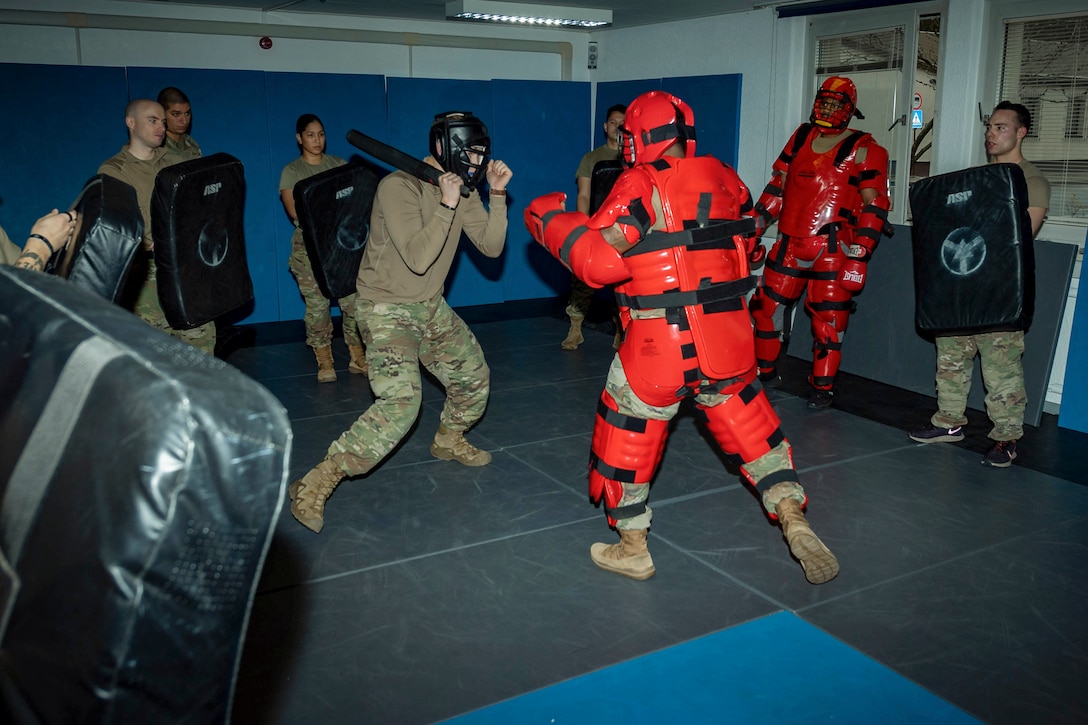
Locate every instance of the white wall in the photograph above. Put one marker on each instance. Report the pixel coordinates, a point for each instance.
(113, 33)
(736, 43)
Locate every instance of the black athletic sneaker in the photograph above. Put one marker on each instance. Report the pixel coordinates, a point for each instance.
(933, 434)
(1001, 455)
(820, 398)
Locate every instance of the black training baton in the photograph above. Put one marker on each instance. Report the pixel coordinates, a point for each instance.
(397, 158)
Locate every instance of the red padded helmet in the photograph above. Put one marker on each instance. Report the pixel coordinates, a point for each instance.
(836, 103)
(654, 122)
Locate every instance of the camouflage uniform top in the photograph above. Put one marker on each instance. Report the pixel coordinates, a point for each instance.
(414, 239)
(140, 175)
(186, 149)
(9, 251)
(601, 153)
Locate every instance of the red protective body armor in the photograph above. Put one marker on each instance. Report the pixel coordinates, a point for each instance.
(661, 355)
(820, 207)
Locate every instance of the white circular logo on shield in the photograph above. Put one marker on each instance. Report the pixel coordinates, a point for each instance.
(963, 252)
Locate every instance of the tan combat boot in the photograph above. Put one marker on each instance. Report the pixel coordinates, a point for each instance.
(450, 445)
(308, 494)
(358, 360)
(629, 557)
(819, 563)
(326, 369)
(574, 335)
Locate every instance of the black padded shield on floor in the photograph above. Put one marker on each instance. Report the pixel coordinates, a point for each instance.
(200, 251)
(974, 262)
(604, 178)
(107, 235)
(140, 483)
(333, 210)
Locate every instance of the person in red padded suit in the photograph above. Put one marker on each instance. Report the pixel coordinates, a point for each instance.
(674, 236)
(829, 192)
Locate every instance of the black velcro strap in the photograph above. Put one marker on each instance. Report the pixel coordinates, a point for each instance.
(677, 316)
(767, 335)
(869, 234)
(826, 345)
(717, 235)
(847, 146)
(715, 293)
(693, 375)
(772, 189)
(619, 420)
(575, 234)
(548, 216)
(687, 351)
(775, 438)
(799, 140)
(702, 212)
(830, 305)
(636, 216)
(626, 512)
(749, 392)
(786, 475)
(823, 379)
(869, 174)
(623, 475)
(660, 165)
(796, 273)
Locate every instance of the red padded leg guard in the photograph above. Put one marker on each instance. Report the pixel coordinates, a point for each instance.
(626, 450)
(746, 424)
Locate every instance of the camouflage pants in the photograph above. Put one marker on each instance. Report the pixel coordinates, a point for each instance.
(1002, 373)
(581, 295)
(777, 459)
(149, 309)
(317, 319)
(398, 338)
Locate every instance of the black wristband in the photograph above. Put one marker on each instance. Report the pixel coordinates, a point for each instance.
(44, 240)
(451, 208)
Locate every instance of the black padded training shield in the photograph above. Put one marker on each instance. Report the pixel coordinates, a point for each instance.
(333, 210)
(140, 483)
(200, 251)
(604, 178)
(974, 261)
(107, 235)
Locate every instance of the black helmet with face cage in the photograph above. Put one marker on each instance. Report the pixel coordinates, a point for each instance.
(453, 135)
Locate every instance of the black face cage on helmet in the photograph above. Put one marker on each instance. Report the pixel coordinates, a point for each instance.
(453, 135)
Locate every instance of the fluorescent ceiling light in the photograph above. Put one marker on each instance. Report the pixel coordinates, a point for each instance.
(545, 16)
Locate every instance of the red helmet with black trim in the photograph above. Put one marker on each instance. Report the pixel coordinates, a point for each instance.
(836, 103)
(655, 121)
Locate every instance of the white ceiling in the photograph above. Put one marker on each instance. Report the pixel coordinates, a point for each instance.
(625, 13)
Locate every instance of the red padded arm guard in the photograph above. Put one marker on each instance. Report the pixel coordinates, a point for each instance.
(582, 250)
(769, 205)
(872, 222)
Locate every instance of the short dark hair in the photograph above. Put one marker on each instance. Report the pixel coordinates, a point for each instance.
(1023, 115)
(305, 120)
(618, 108)
(171, 96)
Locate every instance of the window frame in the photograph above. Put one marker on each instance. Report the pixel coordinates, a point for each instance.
(854, 23)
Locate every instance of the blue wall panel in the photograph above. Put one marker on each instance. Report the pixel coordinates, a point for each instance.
(537, 124)
(48, 148)
(343, 103)
(715, 100)
(1074, 410)
(538, 127)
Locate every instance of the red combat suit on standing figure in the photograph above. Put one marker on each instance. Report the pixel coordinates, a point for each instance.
(829, 192)
(674, 236)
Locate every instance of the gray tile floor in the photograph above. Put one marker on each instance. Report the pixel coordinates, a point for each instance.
(436, 589)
